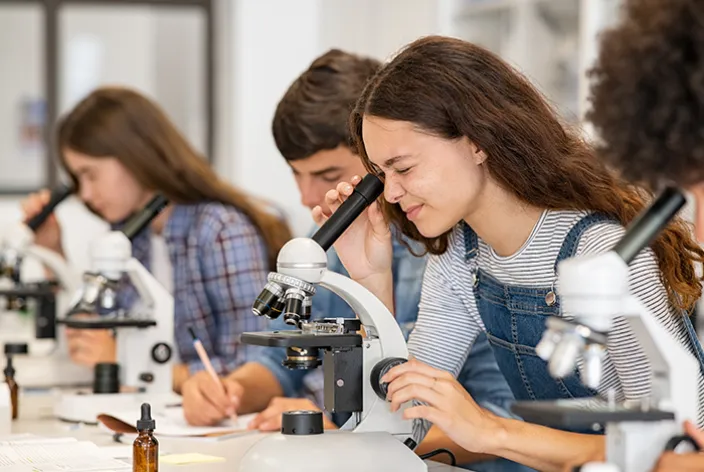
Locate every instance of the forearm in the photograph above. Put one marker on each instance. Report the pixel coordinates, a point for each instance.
(542, 448)
(436, 439)
(260, 386)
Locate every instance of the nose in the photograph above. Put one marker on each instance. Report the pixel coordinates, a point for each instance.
(312, 194)
(393, 190)
(85, 192)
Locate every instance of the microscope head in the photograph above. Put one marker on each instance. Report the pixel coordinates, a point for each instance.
(593, 290)
(302, 262)
(110, 256)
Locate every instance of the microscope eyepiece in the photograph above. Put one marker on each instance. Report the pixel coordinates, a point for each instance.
(141, 219)
(58, 195)
(364, 195)
(648, 225)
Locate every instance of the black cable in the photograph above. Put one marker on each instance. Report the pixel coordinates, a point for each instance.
(453, 461)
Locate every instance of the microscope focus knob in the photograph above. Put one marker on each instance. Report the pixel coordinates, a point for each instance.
(302, 422)
(379, 370)
(161, 353)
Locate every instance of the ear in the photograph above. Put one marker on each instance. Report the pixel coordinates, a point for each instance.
(479, 156)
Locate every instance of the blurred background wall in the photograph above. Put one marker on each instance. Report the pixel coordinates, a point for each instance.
(219, 67)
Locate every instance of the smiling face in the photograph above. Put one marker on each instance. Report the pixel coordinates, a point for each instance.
(437, 182)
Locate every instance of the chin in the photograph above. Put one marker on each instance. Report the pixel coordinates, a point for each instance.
(432, 229)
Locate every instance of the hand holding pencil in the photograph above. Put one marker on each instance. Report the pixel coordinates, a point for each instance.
(208, 399)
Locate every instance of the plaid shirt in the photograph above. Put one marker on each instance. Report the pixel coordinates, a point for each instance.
(219, 263)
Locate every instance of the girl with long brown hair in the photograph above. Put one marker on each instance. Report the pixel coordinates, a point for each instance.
(479, 169)
(212, 246)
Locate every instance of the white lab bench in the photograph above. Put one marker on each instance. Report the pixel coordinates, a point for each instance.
(36, 417)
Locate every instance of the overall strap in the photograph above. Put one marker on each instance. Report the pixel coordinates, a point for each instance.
(571, 242)
(471, 242)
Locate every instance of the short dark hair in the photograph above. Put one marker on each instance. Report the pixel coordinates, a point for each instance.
(648, 92)
(313, 114)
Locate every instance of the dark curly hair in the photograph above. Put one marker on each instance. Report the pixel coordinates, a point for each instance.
(648, 93)
(453, 89)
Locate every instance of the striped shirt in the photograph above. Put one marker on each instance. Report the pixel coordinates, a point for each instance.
(449, 321)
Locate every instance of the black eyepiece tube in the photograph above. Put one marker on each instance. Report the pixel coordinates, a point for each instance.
(646, 227)
(364, 195)
(140, 220)
(58, 195)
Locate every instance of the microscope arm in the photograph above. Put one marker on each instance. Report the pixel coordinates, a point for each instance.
(674, 387)
(148, 288)
(57, 264)
(375, 317)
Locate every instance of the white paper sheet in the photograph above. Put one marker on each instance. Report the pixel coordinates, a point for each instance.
(67, 456)
(171, 422)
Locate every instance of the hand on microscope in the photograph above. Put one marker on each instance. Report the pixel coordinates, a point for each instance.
(270, 418)
(369, 235)
(689, 462)
(90, 346)
(447, 405)
(48, 235)
(206, 403)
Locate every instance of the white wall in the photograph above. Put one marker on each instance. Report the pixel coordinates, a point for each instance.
(274, 41)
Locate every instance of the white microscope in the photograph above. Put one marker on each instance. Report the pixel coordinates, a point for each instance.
(47, 362)
(595, 289)
(144, 336)
(352, 363)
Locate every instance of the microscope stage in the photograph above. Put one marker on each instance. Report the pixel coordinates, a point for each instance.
(296, 338)
(584, 413)
(106, 323)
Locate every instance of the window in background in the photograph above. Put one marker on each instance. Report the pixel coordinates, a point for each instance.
(156, 50)
(22, 98)
(548, 40)
(54, 52)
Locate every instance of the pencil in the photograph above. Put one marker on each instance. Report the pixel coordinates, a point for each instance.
(205, 359)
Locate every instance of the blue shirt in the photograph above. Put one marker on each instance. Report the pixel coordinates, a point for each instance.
(219, 263)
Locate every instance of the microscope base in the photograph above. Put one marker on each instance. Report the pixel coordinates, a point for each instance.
(85, 408)
(333, 450)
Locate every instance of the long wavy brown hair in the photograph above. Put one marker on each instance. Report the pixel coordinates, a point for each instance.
(121, 123)
(453, 89)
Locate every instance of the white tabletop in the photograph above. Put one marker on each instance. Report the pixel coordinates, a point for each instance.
(36, 417)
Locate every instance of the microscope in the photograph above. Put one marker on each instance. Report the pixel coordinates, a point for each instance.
(595, 289)
(144, 335)
(48, 362)
(353, 363)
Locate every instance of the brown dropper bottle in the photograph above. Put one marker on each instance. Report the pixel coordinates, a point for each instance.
(11, 350)
(145, 449)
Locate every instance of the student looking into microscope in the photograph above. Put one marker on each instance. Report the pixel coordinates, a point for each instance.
(310, 127)
(212, 247)
(479, 169)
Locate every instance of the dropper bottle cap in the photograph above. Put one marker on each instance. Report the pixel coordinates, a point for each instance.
(146, 422)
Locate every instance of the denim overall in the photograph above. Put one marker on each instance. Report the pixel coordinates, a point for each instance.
(514, 317)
